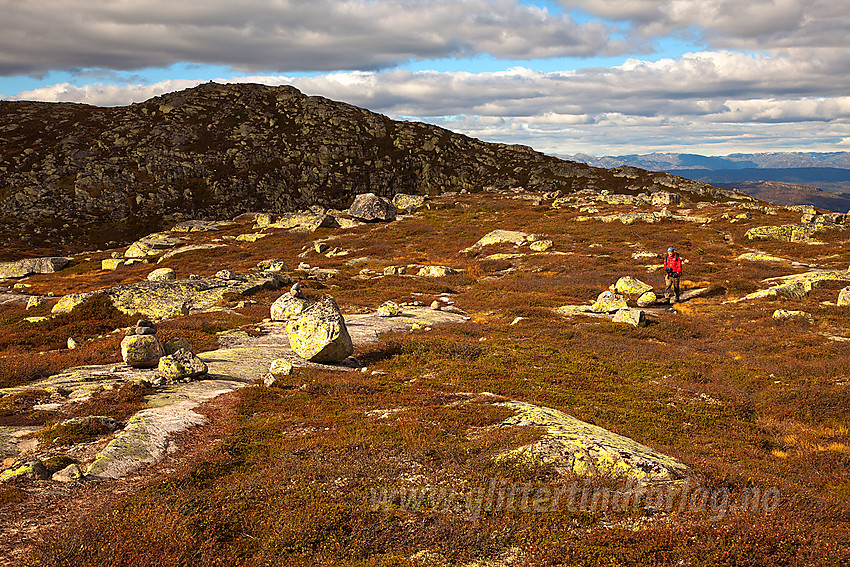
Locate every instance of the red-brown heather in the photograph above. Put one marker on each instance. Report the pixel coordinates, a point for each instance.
(744, 400)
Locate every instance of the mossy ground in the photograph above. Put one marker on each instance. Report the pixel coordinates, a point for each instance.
(745, 401)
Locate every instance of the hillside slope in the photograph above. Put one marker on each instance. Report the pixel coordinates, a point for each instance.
(214, 151)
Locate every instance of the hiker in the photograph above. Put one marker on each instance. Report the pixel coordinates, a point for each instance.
(672, 269)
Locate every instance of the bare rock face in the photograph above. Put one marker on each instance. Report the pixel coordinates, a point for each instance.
(29, 266)
(368, 207)
(319, 333)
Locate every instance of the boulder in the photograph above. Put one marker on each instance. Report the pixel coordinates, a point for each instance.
(784, 233)
(174, 344)
(844, 297)
(634, 317)
(647, 299)
(541, 245)
(25, 470)
(436, 271)
(499, 236)
(272, 265)
(141, 351)
(152, 245)
(278, 368)
(783, 315)
(368, 207)
(72, 343)
(162, 275)
(288, 307)
(389, 309)
(111, 263)
(609, 302)
(30, 266)
(306, 221)
(666, 198)
(319, 333)
(630, 286)
(408, 203)
(181, 366)
(71, 473)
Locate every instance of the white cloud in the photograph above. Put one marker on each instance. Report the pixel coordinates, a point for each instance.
(285, 35)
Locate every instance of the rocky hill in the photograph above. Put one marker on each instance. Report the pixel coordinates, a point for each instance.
(74, 171)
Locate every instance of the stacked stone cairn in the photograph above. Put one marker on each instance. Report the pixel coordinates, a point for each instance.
(174, 361)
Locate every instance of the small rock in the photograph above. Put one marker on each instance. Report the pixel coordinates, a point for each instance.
(631, 286)
(408, 203)
(368, 207)
(141, 351)
(272, 266)
(162, 275)
(71, 473)
(111, 263)
(319, 334)
(321, 247)
(436, 305)
(175, 344)
(279, 368)
(182, 365)
(634, 317)
(436, 271)
(844, 297)
(389, 309)
(35, 301)
(72, 343)
(609, 302)
(541, 245)
(229, 275)
(647, 299)
(783, 315)
(25, 470)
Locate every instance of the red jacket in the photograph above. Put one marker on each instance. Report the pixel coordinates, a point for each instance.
(673, 263)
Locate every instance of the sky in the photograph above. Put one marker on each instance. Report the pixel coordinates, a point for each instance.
(602, 77)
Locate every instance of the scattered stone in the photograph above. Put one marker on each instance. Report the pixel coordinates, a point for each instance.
(783, 315)
(541, 245)
(162, 275)
(188, 248)
(394, 270)
(759, 257)
(181, 366)
(319, 333)
(30, 266)
(644, 254)
(844, 297)
(785, 233)
(666, 198)
(72, 343)
(306, 221)
(647, 299)
(25, 470)
(175, 344)
(251, 237)
(631, 286)
(499, 236)
(389, 309)
(229, 275)
(408, 203)
(278, 368)
(368, 207)
(152, 245)
(141, 351)
(609, 302)
(436, 305)
(321, 247)
(71, 473)
(273, 266)
(195, 226)
(111, 263)
(634, 317)
(436, 271)
(35, 301)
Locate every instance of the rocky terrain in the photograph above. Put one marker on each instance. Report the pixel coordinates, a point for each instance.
(449, 353)
(76, 173)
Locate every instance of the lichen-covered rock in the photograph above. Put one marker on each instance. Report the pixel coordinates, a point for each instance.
(305, 221)
(272, 265)
(436, 271)
(408, 203)
(71, 473)
(162, 275)
(783, 315)
(575, 447)
(174, 344)
(159, 300)
(25, 470)
(319, 334)
(35, 301)
(278, 369)
(389, 309)
(785, 233)
(368, 207)
(111, 263)
(30, 266)
(631, 286)
(499, 236)
(759, 257)
(844, 297)
(141, 351)
(647, 299)
(182, 365)
(152, 245)
(287, 307)
(541, 245)
(634, 317)
(608, 302)
(666, 198)
(251, 237)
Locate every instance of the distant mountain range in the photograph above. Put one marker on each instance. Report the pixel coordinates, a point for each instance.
(786, 178)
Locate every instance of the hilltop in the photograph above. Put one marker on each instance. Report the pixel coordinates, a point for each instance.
(71, 173)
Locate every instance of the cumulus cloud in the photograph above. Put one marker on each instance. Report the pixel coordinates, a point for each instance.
(711, 101)
(285, 35)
